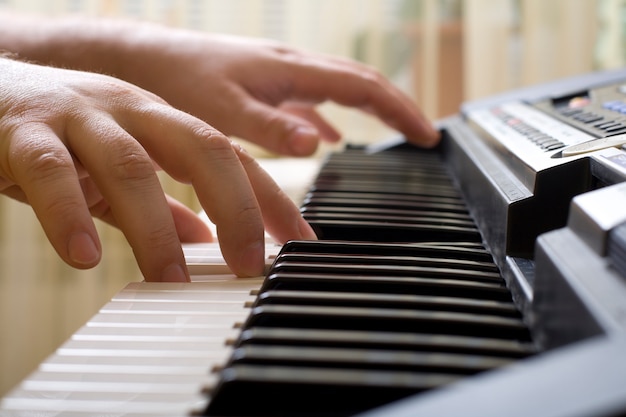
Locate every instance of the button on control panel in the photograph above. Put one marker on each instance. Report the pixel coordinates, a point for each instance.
(601, 112)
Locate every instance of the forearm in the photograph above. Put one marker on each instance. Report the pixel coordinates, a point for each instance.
(78, 42)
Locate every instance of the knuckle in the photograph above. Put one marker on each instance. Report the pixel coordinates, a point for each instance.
(115, 91)
(129, 164)
(41, 162)
(249, 210)
(161, 236)
(249, 216)
(211, 136)
(273, 126)
(288, 54)
(61, 207)
(214, 143)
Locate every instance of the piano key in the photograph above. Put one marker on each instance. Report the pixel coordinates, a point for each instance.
(375, 260)
(159, 325)
(218, 307)
(346, 201)
(384, 170)
(151, 339)
(386, 284)
(378, 217)
(425, 165)
(192, 289)
(378, 178)
(159, 318)
(76, 408)
(385, 232)
(186, 346)
(378, 319)
(385, 340)
(415, 302)
(386, 270)
(192, 380)
(186, 296)
(455, 250)
(367, 186)
(365, 359)
(416, 200)
(188, 384)
(138, 358)
(175, 387)
(185, 400)
(281, 390)
(121, 368)
(210, 351)
(312, 211)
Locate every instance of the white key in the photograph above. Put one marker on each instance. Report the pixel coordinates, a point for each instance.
(207, 259)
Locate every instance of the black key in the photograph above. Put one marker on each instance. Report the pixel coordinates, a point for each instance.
(383, 284)
(381, 218)
(379, 319)
(456, 250)
(385, 340)
(345, 185)
(275, 391)
(372, 231)
(388, 260)
(461, 216)
(424, 203)
(390, 270)
(365, 359)
(396, 301)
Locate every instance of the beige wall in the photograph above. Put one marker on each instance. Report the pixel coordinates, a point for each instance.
(440, 53)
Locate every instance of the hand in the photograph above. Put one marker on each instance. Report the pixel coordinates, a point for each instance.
(73, 144)
(263, 91)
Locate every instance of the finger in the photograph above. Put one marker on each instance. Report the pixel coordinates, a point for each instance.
(124, 174)
(193, 152)
(276, 130)
(356, 85)
(16, 193)
(306, 112)
(189, 226)
(47, 180)
(283, 220)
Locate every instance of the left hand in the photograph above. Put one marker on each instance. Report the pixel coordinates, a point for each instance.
(263, 91)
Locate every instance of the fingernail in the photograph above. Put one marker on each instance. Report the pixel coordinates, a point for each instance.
(252, 260)
(174, 273)
(303, 141)
(83, 250)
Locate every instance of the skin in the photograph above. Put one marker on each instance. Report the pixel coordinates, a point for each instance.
(75, 143)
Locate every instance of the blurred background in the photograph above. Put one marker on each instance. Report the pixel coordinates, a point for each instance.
(440, 52)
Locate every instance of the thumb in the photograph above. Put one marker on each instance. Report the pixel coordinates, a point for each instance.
(189, 226)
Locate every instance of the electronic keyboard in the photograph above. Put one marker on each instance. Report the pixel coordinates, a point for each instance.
(485, 277)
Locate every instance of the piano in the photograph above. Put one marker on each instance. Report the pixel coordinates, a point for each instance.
(486, 277)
